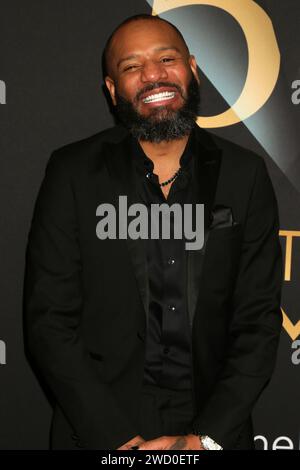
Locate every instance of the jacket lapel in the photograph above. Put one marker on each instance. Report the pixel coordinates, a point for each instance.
(120, 167)
(205, 177)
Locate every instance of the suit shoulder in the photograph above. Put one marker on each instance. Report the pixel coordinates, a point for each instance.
(240, 167)
(79, 153)
(236, 156)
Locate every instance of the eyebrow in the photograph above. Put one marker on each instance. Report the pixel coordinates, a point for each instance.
(134, 56)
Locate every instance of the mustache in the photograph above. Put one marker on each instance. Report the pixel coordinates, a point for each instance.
(156, 85)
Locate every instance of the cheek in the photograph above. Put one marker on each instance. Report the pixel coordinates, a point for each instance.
(181, 76)
(129, 88)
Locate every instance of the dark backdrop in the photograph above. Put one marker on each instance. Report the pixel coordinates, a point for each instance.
(51, 93)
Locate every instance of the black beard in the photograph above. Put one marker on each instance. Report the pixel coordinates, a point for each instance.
(162, 123)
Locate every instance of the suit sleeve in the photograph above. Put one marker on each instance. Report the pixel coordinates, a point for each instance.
(255, 323)
(53, 303)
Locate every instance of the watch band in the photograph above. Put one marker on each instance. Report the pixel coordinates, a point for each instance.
(207, 442)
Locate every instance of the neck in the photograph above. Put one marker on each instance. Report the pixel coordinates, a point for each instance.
(167, 153)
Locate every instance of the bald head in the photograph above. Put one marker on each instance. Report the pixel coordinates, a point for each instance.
(129, 25)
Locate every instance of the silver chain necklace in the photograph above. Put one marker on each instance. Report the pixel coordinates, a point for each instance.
(168, 181)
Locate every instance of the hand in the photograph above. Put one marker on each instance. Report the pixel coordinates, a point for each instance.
(135, 441)
(187, 442)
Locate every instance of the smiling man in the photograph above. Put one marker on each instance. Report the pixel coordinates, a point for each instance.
(154, 87)
(141, 342)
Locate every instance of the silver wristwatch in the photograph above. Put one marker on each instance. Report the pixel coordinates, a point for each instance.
(208, 443)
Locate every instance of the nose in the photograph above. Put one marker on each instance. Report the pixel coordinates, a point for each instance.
(153, 72)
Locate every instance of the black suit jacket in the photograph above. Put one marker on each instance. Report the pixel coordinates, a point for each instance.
(85, 299)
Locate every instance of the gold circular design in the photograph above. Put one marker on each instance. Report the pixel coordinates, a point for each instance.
(263, 56)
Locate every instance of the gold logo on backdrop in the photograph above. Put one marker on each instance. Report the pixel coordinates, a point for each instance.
(289, 235)
(292, 330)
(263, 56)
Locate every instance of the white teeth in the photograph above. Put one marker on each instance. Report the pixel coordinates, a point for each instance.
(165, 95)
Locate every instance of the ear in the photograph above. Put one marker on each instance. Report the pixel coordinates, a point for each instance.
(194, 67)
(111, 88)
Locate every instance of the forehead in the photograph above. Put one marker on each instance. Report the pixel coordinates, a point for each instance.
(143, 36)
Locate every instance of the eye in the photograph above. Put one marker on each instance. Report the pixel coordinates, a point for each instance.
(167, 59)
(129, 67)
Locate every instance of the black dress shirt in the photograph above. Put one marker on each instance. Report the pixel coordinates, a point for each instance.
(168, 339)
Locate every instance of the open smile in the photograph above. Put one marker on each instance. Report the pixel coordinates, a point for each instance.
(162, 96)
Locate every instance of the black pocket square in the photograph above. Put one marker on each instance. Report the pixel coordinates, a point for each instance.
(220, 217)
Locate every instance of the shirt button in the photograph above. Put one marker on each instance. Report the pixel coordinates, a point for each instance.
(172, 308)
(171, 261)
(166, 350)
